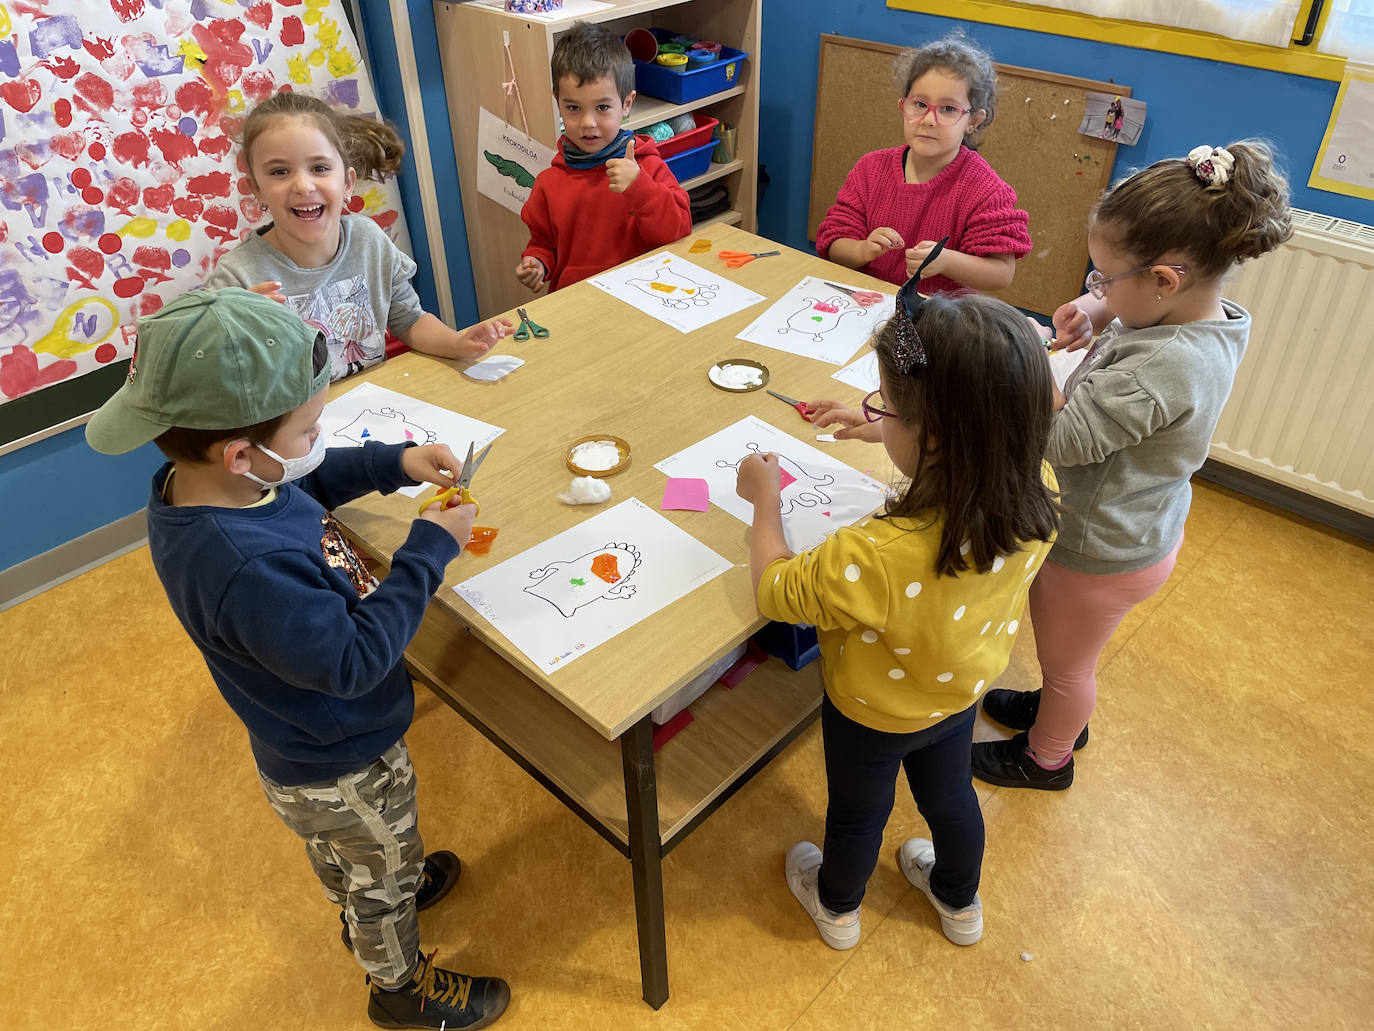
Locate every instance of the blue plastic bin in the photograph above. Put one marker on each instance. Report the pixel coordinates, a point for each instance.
(795, 644)
(692, 84)
(691, 162)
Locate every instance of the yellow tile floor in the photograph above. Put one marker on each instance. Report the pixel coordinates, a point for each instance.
(1211, 867)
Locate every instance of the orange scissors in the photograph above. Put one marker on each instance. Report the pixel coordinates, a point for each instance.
(735, 259)
(458, 494)
(863, 298)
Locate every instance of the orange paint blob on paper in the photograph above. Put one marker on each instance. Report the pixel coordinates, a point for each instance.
(606, 567)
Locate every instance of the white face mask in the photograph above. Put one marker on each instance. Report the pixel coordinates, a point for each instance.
(291, 468)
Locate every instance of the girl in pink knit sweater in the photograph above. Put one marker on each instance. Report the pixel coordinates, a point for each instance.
(896, 203)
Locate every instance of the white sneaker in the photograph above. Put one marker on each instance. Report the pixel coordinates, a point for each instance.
(803, 866)
(964, 926)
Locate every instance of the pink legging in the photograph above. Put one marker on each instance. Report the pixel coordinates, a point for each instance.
(1074, 616)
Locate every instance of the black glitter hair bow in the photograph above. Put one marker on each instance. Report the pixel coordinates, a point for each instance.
(908, 351)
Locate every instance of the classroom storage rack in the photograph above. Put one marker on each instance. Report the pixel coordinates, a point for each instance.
(471, 40)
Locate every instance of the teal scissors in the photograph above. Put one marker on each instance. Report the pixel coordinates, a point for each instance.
(528, 328)
(458, 494)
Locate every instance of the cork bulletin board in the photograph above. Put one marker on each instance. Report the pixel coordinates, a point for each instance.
(1033, 144)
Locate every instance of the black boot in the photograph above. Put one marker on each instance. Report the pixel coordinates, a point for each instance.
(438, 998)
(1017, 710)
(441, 873)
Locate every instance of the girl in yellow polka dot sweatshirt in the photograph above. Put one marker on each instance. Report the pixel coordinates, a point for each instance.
(917, 609)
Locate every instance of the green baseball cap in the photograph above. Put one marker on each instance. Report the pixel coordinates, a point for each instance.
(212, 360)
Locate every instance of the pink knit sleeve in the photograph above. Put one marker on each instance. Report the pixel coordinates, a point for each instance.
(847, 218)
(995, 225)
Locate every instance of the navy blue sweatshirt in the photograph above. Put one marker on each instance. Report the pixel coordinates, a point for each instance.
(305, 651)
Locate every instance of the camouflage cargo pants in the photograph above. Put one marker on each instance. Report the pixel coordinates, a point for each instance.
(363, 840)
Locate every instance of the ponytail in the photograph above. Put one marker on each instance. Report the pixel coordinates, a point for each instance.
(370, 147)
(1219, 206)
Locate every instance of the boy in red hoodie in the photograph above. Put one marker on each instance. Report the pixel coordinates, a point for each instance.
(608, 196)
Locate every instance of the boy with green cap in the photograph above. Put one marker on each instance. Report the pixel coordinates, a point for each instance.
(304, 644)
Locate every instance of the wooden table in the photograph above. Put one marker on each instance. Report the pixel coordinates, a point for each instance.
(584, 732)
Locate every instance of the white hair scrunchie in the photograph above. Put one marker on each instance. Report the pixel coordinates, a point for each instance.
(1212, 165)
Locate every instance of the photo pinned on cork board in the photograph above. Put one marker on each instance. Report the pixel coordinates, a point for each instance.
(1107, 116)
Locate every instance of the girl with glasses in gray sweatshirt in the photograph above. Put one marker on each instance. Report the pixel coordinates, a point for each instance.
(1133, 424)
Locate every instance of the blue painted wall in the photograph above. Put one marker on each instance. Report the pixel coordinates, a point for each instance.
(1190, 101)
(391, 98)
(58, 489)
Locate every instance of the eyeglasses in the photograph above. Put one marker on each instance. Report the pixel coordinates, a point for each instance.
(1096, 283)
(945, 114)
(871, 413)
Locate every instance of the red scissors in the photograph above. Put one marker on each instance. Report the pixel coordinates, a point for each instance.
(801, 406)
(734, 259)
(863, 298)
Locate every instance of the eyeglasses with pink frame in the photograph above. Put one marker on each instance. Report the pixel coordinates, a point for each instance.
(945, 114)
(1096, 283)
(871, 413)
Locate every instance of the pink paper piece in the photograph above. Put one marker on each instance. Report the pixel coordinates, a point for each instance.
(786, 479)
(686, 492)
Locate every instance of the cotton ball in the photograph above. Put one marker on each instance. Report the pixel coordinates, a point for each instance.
(586, 490)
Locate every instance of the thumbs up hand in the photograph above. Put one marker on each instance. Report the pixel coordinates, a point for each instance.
(622, 172)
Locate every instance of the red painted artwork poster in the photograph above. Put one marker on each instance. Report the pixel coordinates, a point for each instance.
(119, 182)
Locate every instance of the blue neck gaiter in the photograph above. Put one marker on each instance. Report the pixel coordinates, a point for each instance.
(575, 158)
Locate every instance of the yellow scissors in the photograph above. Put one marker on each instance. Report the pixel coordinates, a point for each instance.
(458, 494)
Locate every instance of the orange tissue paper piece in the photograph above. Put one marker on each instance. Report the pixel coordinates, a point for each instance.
(606, 567)
(480, 541)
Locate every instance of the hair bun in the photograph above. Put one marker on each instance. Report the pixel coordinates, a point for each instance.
(1212, 165)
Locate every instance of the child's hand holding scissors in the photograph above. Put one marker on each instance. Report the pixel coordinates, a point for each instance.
(852, 425)
(457, 520)
(759, 478)
(431, 463)
(622, 172)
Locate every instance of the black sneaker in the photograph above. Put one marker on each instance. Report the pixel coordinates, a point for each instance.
(1008, 764)
(437, 998)
(1018, 709)
(441, 873)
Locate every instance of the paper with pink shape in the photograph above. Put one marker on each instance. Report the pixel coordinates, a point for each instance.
(815, 320)
(819, 493)
(369, 412)
(686, 493)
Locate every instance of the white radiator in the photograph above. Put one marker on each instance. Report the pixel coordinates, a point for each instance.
(1302, 409)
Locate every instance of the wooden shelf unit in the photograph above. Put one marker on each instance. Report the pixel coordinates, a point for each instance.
(472, 48)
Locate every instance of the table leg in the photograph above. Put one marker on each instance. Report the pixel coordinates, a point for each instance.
(646, 859)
